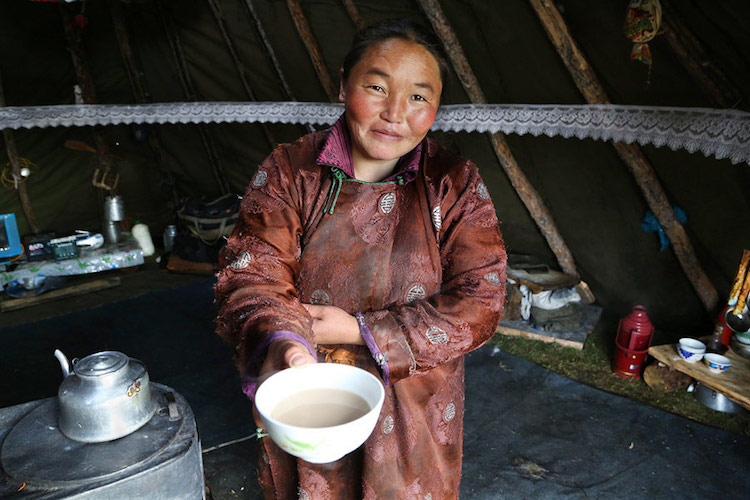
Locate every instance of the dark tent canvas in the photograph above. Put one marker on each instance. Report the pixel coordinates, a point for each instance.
(213, 51)
(632, 177)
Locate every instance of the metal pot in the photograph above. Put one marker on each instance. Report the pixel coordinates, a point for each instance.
(716, 400)
(103, 397)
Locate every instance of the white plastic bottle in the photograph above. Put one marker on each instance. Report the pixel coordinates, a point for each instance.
(143, 236)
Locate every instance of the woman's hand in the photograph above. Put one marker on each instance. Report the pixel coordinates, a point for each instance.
(281, 354)
(284, 353)
(332, 325)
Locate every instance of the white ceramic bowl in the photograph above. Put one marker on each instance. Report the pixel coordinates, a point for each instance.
(716, 362)
(320, 444)
(691, 350)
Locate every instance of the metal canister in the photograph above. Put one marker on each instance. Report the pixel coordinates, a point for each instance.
(170, 232)
(111, 230)
(114, 209)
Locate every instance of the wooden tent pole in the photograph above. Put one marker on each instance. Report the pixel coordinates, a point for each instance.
(631, 154)
(354, 14)
(529, 196)
(138, 84)
(253, 14)
(83, 76)
(269, 49)
(238, 64)
(453, 48)
(692, 54)
(303, 28)
(191, 94)
(135, 77)
(15, 165)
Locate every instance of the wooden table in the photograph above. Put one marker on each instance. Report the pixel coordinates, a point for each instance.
(733, 383)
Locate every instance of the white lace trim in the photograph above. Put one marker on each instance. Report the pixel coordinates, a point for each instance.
(722, 133)
(716, 132)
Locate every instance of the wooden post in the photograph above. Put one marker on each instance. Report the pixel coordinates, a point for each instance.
(253, 14)
(692, 55)
(303, 28)
(529, 196)
(269, 49)
(191, 94)
(135, 76)
(354, 15)
(137, 83)
(631, 154)
(83, 76)
(15, 165)
(238, 64)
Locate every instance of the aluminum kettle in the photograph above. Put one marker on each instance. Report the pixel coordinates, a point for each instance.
(103, 397)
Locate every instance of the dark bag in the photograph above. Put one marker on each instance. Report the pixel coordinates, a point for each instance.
(188, 247)
(210, 220)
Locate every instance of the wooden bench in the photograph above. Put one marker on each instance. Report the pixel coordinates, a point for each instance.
(734, 383)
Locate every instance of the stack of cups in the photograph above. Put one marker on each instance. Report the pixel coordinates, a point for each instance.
(114, 212)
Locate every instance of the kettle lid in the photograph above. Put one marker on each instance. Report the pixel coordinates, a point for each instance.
(101, 363)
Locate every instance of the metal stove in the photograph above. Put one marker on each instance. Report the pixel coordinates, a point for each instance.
(160, 460)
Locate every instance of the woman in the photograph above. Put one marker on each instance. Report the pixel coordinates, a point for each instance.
(371, 245)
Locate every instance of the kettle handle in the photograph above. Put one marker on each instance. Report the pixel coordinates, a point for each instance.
(64, 363)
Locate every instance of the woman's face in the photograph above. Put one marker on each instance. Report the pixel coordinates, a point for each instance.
(391, 95)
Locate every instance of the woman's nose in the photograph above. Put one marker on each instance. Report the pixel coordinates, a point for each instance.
(395, 110)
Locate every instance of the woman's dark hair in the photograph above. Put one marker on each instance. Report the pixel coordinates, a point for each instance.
(395, 28)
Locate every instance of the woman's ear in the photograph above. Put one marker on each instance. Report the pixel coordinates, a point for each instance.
(342, 92)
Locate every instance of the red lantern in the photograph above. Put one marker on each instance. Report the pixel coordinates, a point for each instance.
(634, 335)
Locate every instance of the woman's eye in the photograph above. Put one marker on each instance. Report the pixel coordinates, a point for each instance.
(377, 88)
(418, 97)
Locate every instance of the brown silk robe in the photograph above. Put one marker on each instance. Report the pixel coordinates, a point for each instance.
(423, 261)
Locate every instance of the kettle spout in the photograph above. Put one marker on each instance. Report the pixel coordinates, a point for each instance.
(64, 363)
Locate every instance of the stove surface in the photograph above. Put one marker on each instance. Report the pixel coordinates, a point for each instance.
(36, 452)
(162, 458)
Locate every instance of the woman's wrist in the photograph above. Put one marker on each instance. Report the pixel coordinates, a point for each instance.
(345, 332)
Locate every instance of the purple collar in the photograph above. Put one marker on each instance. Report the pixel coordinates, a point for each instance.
(337, 152)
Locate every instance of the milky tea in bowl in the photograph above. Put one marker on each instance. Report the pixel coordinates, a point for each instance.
(320, 412)
(320, 408)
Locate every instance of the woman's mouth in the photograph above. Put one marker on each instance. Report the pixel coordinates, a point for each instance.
(386, 135)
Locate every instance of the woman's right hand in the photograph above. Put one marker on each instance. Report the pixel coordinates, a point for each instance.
(281, 354)
(284, 353)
